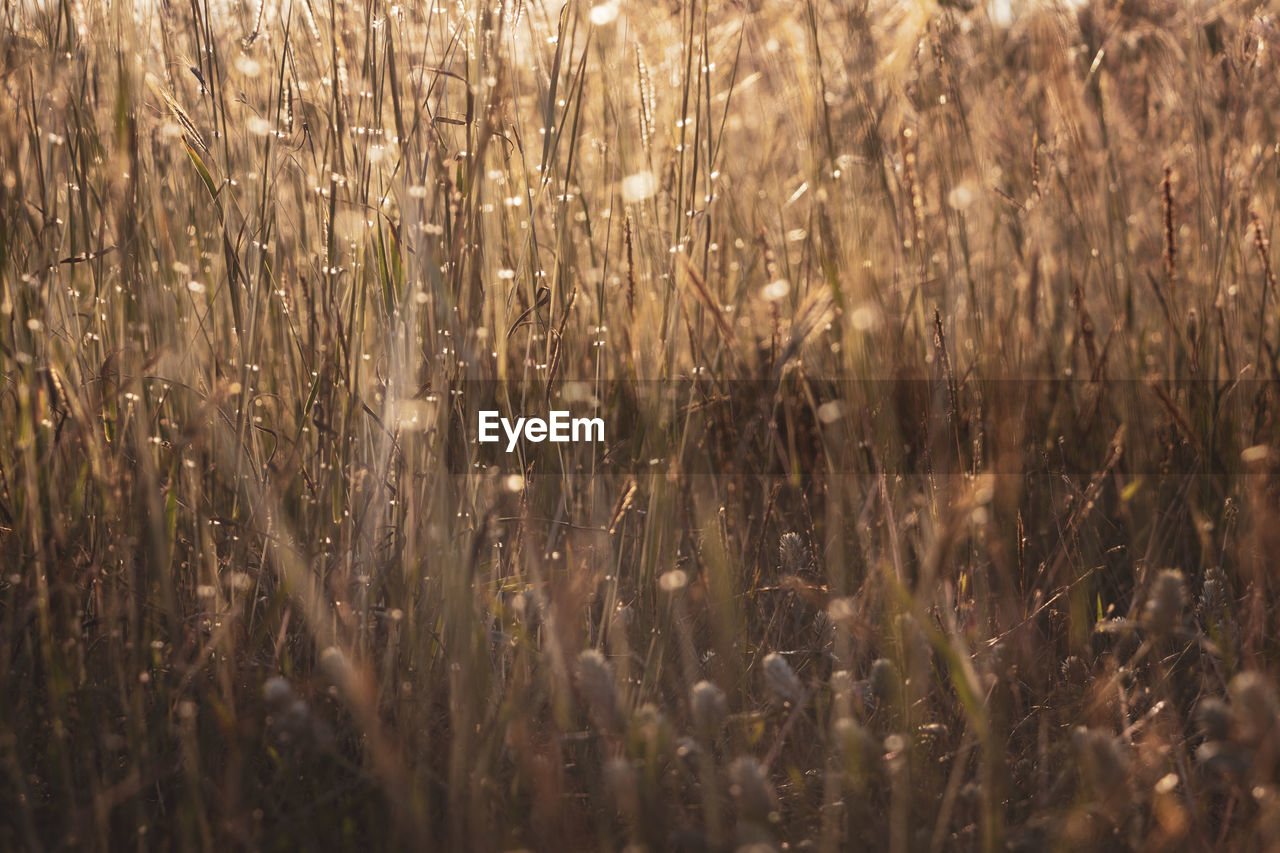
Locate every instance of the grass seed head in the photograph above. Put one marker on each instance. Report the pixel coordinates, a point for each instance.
(858, 749)
(885, 681)
(1103, 762)
(1256, 708)
(1214, 718)
(1168, 599)
(752, 791)
(336, 667)
(276, 692)
(708, 706)
(781, 680)
(598, 687)
(621, 786)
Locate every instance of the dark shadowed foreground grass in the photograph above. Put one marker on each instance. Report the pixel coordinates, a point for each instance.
(940, 502)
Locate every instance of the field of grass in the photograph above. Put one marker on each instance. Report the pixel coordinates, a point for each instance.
(938, 348)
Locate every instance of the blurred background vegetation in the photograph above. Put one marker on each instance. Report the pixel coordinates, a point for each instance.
(959, 534)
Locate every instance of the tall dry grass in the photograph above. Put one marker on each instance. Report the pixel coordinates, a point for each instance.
(939, 363)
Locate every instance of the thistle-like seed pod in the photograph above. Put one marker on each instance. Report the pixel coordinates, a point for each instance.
(793, 553)
(781, 679)
(1075, 671)
(1213, 596)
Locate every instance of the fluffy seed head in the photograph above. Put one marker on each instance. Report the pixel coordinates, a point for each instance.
(1257, 710)
(884, 680)
(1214, 718)
(596, 683)
(858, 748)
(620, 785)
(649, 724)
(781, 679)
(1163, 612)
(1103, 761)
(276, 692)
(708, 705)
(752, 790)
(1224, 759)
(336, 668)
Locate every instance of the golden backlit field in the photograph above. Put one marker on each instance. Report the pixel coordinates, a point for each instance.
(938, 350)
